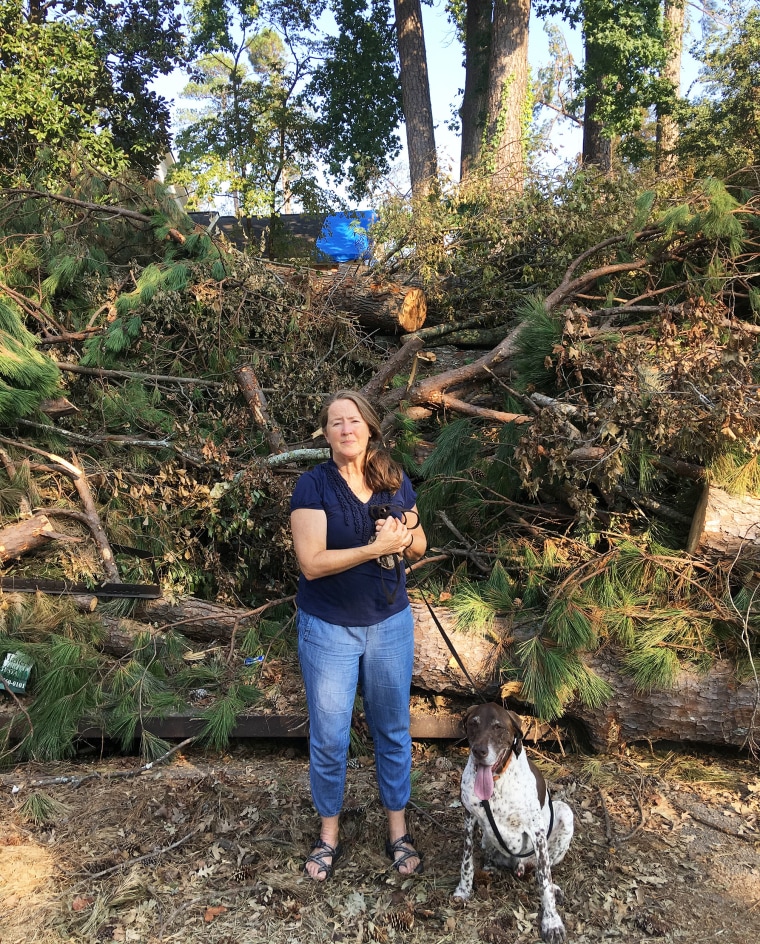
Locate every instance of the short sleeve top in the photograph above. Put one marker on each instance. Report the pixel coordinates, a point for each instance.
(365, 594)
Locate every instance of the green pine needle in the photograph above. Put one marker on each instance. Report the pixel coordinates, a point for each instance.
(539, 335)
(655, 668)
(220, 718)
(474, 614)
(569, 624)
(546, 675)
(41, 809)
(152, 747)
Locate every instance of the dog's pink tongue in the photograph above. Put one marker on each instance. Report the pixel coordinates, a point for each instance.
(483, 783)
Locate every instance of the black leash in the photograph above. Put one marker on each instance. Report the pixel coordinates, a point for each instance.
(484, 803)
(517, 855)
(446, 638)
(382, 511)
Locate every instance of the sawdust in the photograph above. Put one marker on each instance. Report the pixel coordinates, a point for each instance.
(210, 848)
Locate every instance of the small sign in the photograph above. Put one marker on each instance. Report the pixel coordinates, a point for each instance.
(16, 669)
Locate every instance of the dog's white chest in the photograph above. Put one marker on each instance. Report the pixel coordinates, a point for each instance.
(514, 805)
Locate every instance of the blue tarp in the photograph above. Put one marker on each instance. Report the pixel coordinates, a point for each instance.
(344, 235)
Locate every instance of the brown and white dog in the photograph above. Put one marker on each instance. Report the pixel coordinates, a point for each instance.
(507, 796)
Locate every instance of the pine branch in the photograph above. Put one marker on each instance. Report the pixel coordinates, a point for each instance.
(98, 208)
(134, 374)
(31, 309)
(95, 440)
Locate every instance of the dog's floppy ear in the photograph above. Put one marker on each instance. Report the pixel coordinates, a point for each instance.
(517, 724)
(473, 709)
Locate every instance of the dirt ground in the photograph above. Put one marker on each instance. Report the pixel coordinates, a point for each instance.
(210, 848)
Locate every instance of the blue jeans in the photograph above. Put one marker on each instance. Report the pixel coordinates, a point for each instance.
(334, 659)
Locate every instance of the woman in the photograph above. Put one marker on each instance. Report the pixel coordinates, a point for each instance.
(355, 625)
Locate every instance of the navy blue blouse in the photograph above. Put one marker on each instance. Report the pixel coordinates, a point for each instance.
(365, 594)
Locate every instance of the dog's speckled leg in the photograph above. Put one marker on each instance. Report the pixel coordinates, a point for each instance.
(464, 889)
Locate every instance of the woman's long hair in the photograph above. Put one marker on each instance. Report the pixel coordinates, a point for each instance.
(381, 472)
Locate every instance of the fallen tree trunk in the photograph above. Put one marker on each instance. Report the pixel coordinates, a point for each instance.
(711, 708)
(25, 536)
(726, 526)
(384, 306)
(708, 708)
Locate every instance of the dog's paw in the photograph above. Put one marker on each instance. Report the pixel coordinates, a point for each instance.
(460, 897)
(552, 929)
(521, 870)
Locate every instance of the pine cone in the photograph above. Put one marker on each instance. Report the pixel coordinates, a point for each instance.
(401, 920)
(243, 873)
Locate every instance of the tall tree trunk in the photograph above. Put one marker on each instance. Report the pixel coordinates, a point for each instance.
(507, 91)
(415, 96)
(477, 52)
(667, 129)
(597, 147)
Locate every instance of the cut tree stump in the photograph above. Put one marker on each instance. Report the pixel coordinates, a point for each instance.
(384, 306)
(727, 526)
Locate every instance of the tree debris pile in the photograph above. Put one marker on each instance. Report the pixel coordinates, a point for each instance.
(558, 470)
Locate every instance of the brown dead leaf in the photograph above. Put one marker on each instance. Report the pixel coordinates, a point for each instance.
(213, 911)
(80, 903)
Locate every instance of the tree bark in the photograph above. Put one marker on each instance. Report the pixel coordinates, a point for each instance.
(597, 147)
(711, 708)
(667, 127)
(385, 306)
(415, 96)
(507, 92)
(477, 50)
(726, 526)
(257, 404)
(25, 536)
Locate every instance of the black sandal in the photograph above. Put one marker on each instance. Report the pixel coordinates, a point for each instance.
(325, 851)
(405, 846)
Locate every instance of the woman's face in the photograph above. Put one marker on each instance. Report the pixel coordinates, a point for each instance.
(346, 431)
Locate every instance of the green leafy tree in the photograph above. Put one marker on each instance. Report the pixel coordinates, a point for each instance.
(721, 130)
(623, 74)
(78, 75)
(278, 100)
(357, 86)
(253, 136)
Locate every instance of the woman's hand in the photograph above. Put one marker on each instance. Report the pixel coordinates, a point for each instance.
(309, 529)
(414, 539)
(391, 536)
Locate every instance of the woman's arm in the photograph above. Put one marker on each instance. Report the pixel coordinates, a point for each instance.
(309, 528)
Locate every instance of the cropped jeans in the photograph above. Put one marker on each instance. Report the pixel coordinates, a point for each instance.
(334, 660)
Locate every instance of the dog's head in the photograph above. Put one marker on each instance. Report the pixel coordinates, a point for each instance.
(495, 727)
(495, 737)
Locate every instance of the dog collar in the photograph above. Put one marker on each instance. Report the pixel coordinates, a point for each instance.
(508, 755)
